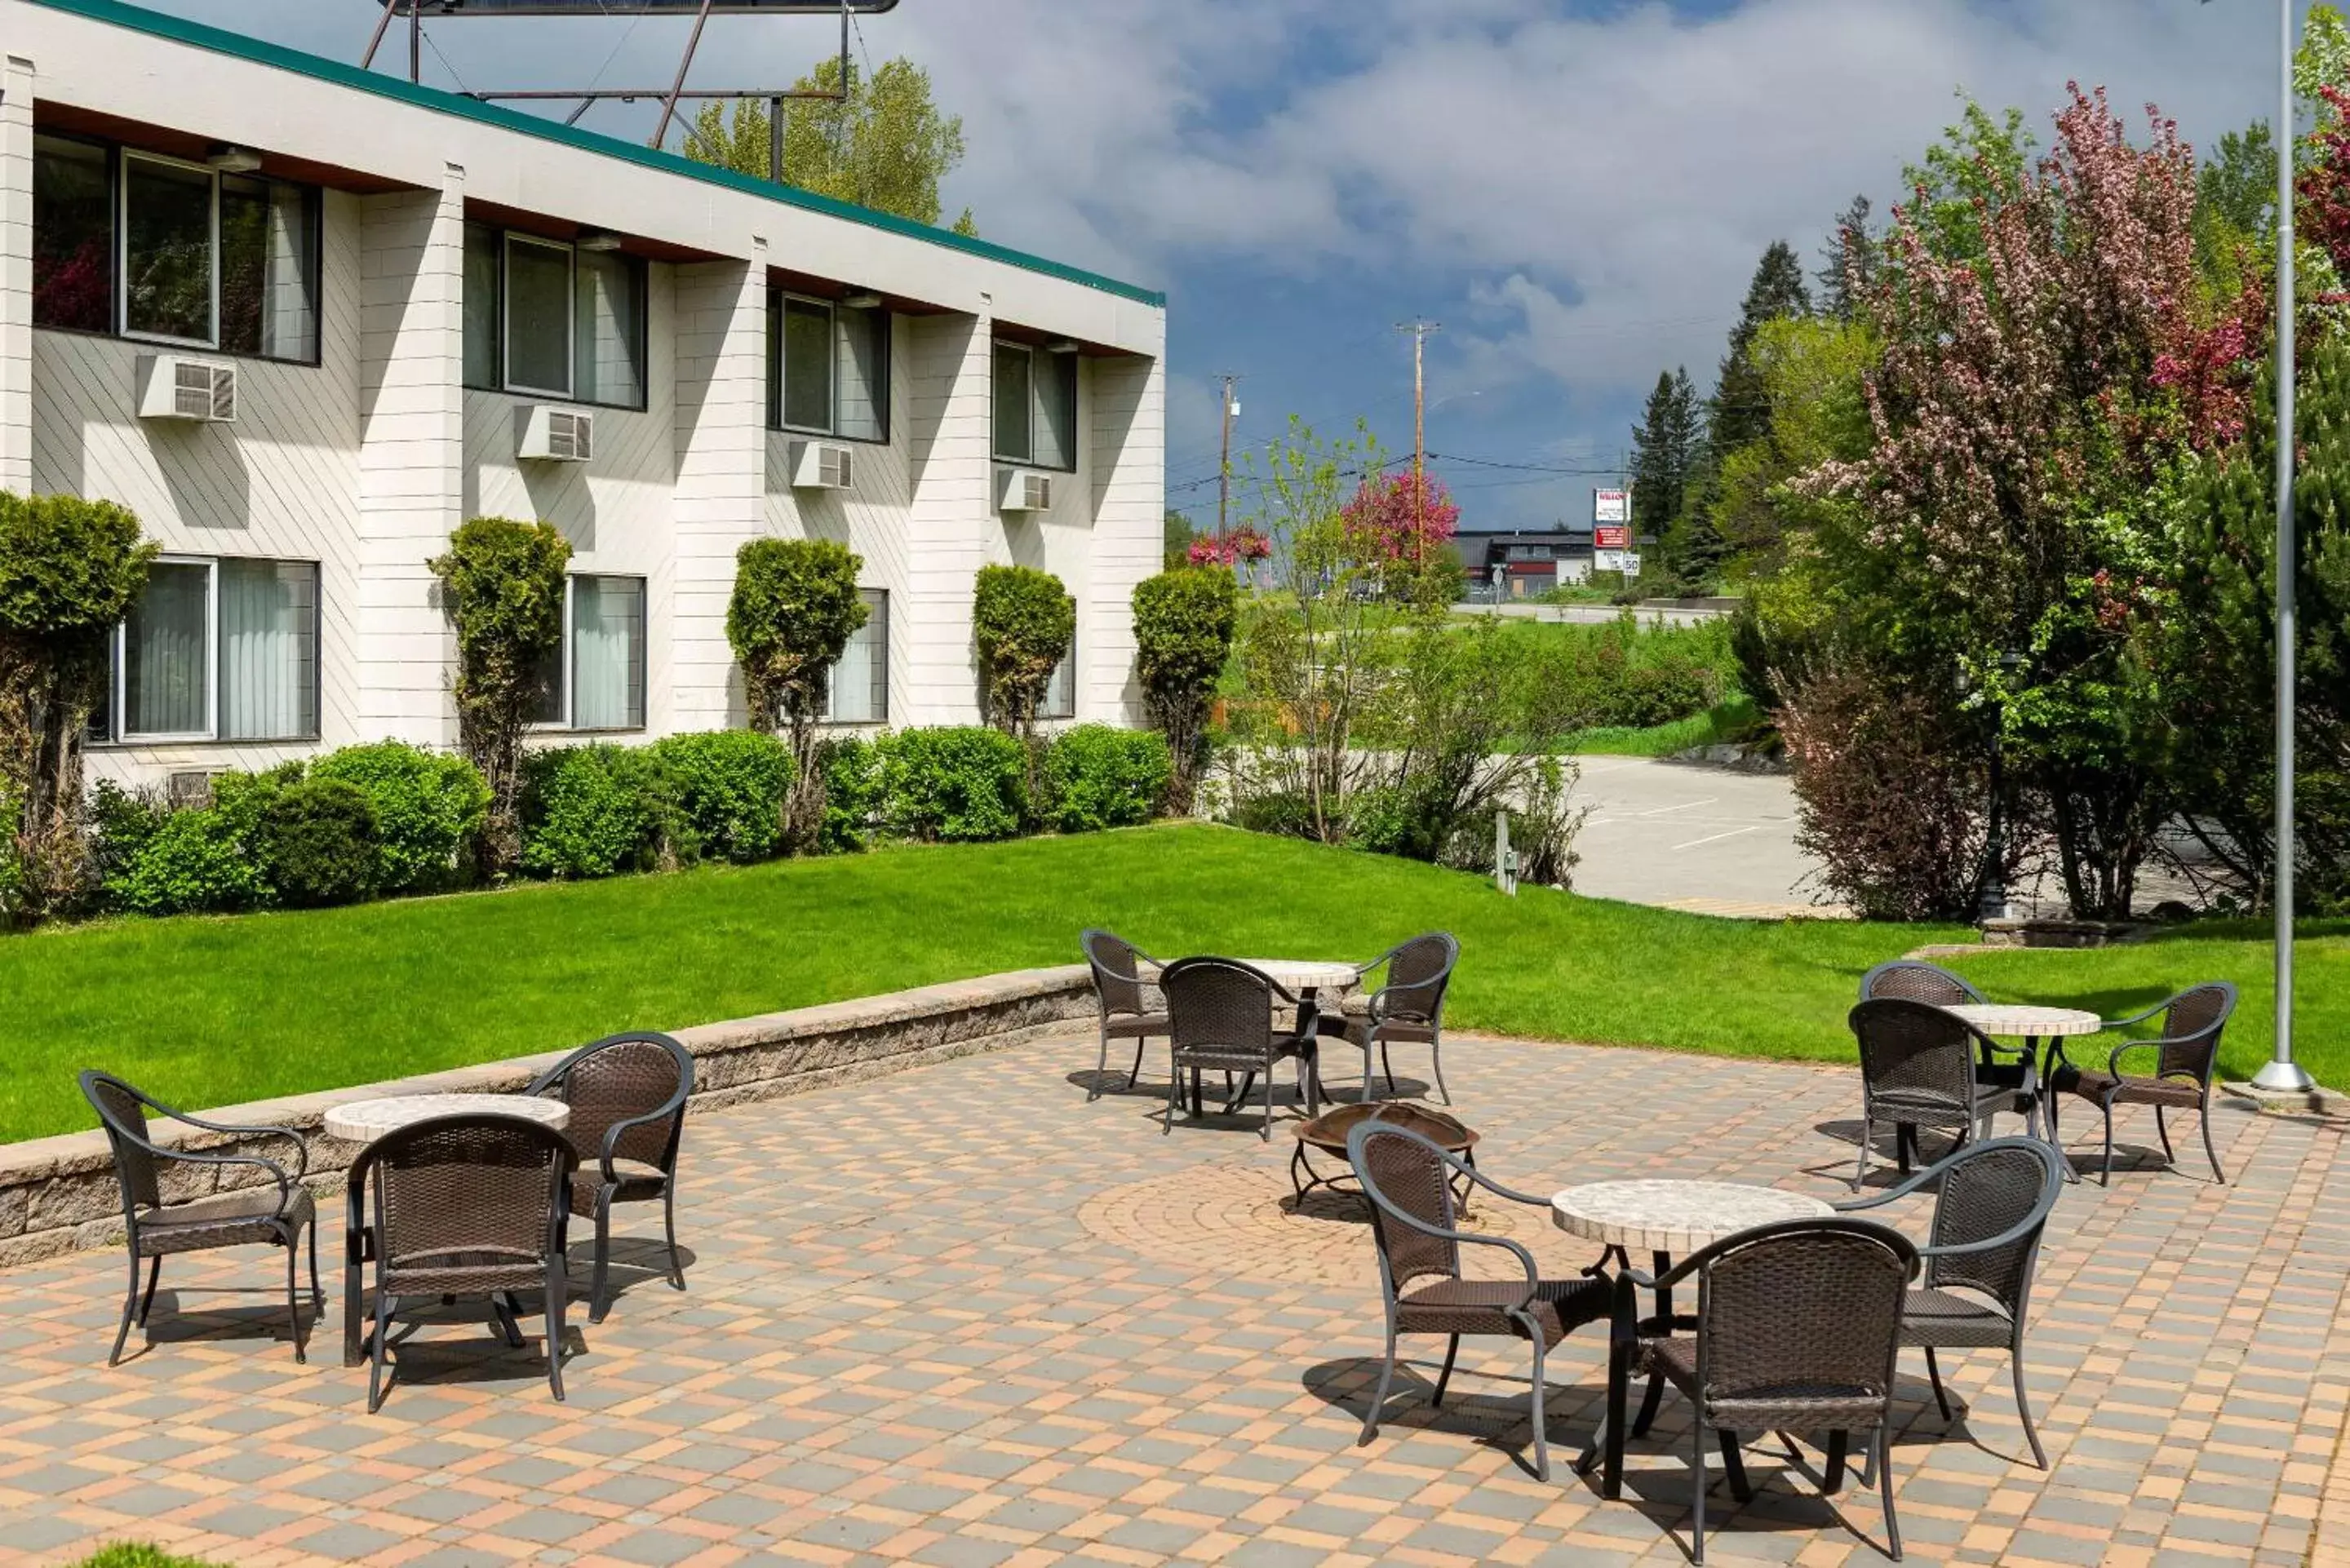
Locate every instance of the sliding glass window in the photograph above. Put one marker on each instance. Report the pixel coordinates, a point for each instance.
(1035, 393)
(73, 235)
(217, 649)
(596, 679)
(228, 262)
(858, 689)
(828, 368)
(167, 250)
(543, 318)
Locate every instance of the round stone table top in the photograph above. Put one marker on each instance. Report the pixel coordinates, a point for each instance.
(1306, 974)
(2022, 1020)
(364, 1121)
(1679, 1217)
(1328, 1131)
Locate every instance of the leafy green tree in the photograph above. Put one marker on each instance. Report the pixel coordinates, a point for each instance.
(1849, 262)
(1175, 540)
(2235, 207)
(1184, 624)
(1812, 372)
(887, 146)
(1981, 159)
(1740, 410)
(1023, 621)
(502, 581)
(70, 569)
(794, 609)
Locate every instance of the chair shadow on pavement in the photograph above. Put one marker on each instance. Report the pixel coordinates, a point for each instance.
(1933, 1144)
(190, 1315)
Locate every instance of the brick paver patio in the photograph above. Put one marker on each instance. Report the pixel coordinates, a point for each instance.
(961, 1316)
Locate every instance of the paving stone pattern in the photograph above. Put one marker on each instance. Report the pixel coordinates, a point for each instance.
(963, 1317)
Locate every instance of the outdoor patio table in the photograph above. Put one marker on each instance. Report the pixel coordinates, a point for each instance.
(1305, 979)
(2039, 1028)
(364, 1121)
(1663, 1217)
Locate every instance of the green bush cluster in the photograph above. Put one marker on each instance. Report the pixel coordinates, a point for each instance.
(428, 807)
(595, 810)
(954, 785)
(1097, 776)
(728, 787)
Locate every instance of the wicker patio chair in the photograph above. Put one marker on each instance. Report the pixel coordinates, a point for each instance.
(2184, 1058)
(1913, 980)
(1798, 1328)
(1221, 1016)
(1920, 1067)
(626, 1094)
(1126, 1013)
(1410, 1184)
(275, 1213)
(466, 1206)
(1408, 1010)
(1991, 1201)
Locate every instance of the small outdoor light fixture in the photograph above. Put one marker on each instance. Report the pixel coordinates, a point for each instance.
(1066, 346)
(863, 300)
(233, 160)
(598, 240)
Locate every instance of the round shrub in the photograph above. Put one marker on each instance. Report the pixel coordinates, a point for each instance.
(852, 794)
(428, 807)
(962, 783)
(318, 842)
(729, 786)
(198, 861)
(1098, 777)
(591, 811)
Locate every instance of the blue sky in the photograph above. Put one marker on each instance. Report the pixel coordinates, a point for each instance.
(1577, 189)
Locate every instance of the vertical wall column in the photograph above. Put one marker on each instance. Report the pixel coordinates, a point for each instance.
(16, 275)
(412, 455)
(1128, 436)
(951, 459)
(721, 482)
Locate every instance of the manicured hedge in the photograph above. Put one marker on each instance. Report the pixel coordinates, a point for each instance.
(959, 785)
(1097, 776)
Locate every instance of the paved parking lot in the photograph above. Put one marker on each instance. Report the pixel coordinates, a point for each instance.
(965, 1317)
(1690, 837)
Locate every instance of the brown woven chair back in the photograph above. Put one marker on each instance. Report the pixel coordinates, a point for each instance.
(1116, 964)
(1808, 1308)
(123, 1110)
(467, 1192)
(2190, 1029)
(1417, 973)
(1410, 1174)
(1918, 1053)
(1218, 1002)
(619, 1078)
(1986, 1191)
(1908, 980)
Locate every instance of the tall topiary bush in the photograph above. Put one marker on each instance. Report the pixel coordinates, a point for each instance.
(69, 570)
(794, 607)
(1023, 621)
(504, 582)
(1183, 625)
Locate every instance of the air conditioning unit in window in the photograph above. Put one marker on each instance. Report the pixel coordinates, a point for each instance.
(823, 465)
(555, 435)
(174, 387)
(1023, 490)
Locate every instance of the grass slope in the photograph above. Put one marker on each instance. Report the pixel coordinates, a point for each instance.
(208, 1011)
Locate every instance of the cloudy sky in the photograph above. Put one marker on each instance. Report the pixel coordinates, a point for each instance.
(1577, 189)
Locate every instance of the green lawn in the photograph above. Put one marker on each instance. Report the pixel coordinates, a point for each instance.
(1732, 719)
(208, 1011)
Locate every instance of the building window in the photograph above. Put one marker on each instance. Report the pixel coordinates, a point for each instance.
(596, 679)
(827, 369)
(857, 691)
(1035, 406)
(268, 269)
(1060, 700)
(211, 260)
(217, 649)
(73, 235)
(546, 319)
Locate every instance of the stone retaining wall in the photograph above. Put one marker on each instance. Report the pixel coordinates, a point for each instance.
(59, 1194)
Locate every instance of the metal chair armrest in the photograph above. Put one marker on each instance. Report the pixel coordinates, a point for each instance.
(2114, 1060)
(673, 1105)
(2135, 1017)
(1908, 1185)
(301, 1144)
(2015, 1232)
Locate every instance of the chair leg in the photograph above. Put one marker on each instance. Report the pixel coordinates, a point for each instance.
(1101, 1062)
(147, 1302)
(597, 1305)
(1733, 1465)
(2208, 1152)
(1134, 1076)
(130, 1305)
(557, 1287)
(1697, 1506)
(293, 1295)
(1387, 1065)
(1379, 1394)
(2023, 1405)
(1174, 1093)
(1884, 1463)
(669, 1226)
(375, 1379)
(2106, 1178)
(1832, 1473)
(1934, 1373)
(1436, 1061)
(1541, 1426)
(317, 1292)
(1451, 1349)
(1867, 1132)
(2162, 1130)
(1650, 1398)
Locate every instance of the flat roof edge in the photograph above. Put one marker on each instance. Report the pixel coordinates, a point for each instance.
(220, 40)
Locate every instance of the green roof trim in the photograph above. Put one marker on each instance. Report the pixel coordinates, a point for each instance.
(220, 40)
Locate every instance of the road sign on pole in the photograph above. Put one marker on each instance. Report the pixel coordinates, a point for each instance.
(1611, 506)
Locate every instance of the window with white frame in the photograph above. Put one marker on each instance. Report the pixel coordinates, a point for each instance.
(828, 368)
(1060, 700)
(856, 690)
(173, 251)
(1036, 394)
(596, 678)
(547, 318)
(222, 650)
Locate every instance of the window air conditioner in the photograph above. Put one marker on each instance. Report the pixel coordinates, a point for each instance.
(555, 435)
(1023, 490)
(174, 387)
(822, 466)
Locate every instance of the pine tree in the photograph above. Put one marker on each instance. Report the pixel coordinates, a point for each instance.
(1850, 261)
(1740, 407)
(1663, 446)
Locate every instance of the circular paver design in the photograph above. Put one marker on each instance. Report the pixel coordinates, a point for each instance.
(1241, 1220)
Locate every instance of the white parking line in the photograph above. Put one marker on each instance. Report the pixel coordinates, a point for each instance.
(1685, 806)
(1733, 832)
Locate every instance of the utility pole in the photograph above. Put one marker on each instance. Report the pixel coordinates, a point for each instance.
(1225, 464)
(1419, 331)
